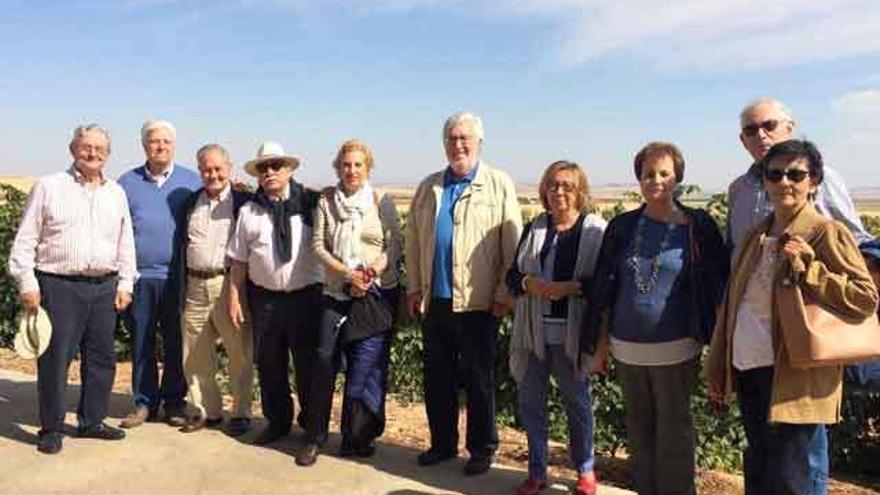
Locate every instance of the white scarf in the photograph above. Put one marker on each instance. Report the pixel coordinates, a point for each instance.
(527, 336)
(347, 234)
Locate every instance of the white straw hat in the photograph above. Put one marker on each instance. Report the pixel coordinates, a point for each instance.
(270, 150)
(34, 334)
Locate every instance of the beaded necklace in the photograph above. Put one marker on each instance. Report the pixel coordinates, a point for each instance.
(645, 285)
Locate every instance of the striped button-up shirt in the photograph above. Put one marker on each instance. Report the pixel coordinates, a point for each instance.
(210, 226)
(68, 228)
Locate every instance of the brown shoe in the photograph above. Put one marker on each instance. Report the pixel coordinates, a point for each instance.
(136, 417)
(199, 422)
(175, 416)
(307, 455)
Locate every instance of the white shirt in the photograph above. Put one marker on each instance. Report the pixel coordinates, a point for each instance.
(208, 231)
(254, 243)
(68, 228)
(159, 179)
(752, 337)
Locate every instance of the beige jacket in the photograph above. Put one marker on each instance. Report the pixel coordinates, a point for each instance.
(836, 275)
(487, 223)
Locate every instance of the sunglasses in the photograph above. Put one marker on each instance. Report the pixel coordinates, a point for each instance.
(751, 130)
(264, 167)
(794, 175)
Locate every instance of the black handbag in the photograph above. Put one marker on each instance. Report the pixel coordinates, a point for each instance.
(369, 315)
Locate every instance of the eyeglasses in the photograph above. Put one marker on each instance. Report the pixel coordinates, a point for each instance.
(770, 125)
(86, 148)
(794, 175)
(264, 167)
(566, 187)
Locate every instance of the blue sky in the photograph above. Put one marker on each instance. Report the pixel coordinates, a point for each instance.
(586, 80)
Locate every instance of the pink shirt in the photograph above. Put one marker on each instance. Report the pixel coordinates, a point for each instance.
(68, 228)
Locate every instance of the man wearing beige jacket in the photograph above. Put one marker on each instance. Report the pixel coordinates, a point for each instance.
(462, 231)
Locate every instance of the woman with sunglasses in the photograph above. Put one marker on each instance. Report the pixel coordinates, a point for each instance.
(357, 238)
(785, 410)
(659, 279)
(554, 261)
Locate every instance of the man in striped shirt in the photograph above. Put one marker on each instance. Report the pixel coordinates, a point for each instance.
(74, 256)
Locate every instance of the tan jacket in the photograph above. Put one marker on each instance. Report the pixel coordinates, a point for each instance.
(487, 224)
(836, 275)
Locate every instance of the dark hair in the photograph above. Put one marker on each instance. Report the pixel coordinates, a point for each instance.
(792, 150)
(655, 150)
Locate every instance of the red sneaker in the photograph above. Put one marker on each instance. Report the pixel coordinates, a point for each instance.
(531, 487)
(586, 484)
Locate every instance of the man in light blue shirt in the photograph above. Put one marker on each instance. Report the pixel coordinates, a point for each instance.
(764, 123)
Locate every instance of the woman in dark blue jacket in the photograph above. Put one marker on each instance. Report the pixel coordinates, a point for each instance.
(659, 279)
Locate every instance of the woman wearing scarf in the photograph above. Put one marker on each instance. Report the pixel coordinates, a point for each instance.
(555, 259)
(357, 238)
(659, 279)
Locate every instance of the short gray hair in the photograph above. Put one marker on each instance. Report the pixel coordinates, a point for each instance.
(460, 118)
(766, 100)
(204, 150)
(151, 125)
(80, 131)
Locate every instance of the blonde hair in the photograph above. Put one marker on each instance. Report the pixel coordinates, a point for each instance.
(354, 145)
(582, 202)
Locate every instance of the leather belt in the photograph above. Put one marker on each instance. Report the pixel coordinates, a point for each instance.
(89, 279)
(205, 274)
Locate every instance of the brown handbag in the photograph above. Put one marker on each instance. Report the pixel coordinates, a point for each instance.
(815, 337)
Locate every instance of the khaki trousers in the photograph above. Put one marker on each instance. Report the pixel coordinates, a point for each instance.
(205, 319)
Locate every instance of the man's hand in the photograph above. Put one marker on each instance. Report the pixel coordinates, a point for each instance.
(414, 304)
(600, 361)
(30, 301)
(123, 299)
(236, 314)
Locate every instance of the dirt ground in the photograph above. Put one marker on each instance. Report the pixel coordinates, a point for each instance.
(407, 426)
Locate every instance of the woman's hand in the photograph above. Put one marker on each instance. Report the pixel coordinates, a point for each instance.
(795, 247)
(561, 290)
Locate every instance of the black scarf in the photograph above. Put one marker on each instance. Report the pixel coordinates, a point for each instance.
(300, 202)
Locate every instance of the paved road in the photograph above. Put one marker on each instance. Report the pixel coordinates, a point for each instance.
(156, 459)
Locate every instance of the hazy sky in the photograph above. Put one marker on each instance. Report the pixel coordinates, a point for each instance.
(587, 80)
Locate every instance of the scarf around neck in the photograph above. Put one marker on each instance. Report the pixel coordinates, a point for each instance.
(347, 234)
(301, 201)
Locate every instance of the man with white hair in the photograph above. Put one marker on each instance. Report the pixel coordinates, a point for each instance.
(462, 232)
(763, 123)
(157, 195)
(74, 256)
(210, 220)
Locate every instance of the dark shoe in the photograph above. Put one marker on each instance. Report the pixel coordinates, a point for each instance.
(307, 455)
(365, 450)
(433, 456)
(136, 417)
(531, 486)
(50, 443)
(238, 426)
(101, 431)
(477, 465)
(269, 435)
(175, 416)
(199, 422)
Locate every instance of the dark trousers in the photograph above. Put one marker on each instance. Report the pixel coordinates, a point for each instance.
(83, 318)
(155, 306)
(460, 346)
(780, 458)
(659, 426)
(285, 323)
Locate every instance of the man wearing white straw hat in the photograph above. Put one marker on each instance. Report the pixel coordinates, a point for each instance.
(74, 256)
(273, 261)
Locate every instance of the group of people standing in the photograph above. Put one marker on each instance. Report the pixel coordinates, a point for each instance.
(315, 274)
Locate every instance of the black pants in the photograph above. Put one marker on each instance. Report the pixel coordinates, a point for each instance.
(83, 319)
(285, 322)
(460, 346)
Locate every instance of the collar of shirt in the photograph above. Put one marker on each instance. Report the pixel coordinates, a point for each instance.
(155, 177)
(285, 193)
(79, 178)
(450, 178)
(224, 193)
